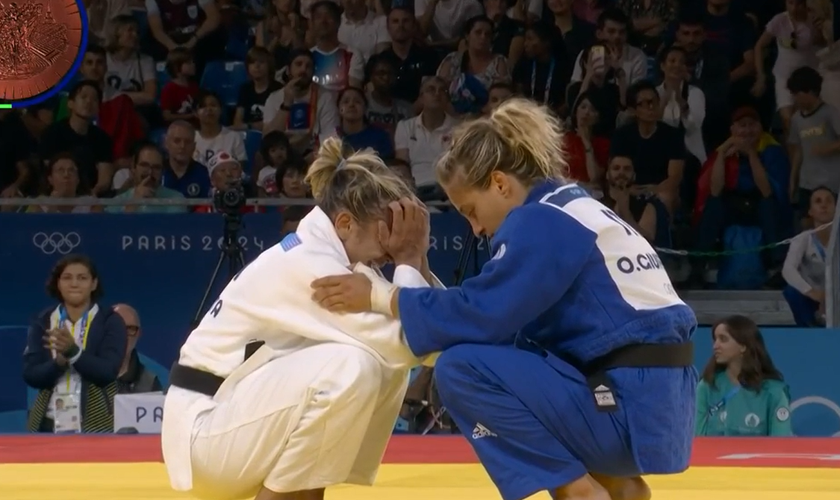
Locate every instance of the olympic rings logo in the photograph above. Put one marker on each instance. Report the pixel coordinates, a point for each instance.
(56, 242)
(817, 400)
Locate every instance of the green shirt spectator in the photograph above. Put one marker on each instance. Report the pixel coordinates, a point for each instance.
(741, 392)
(145, 175)
(159, 192)
(728, 409)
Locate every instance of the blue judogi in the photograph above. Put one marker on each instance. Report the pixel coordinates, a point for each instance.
(569, 279)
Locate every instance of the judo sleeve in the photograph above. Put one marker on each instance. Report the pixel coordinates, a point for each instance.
(538, 252)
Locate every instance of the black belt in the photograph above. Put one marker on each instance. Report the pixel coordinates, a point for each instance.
(193, 379)
(631, 356)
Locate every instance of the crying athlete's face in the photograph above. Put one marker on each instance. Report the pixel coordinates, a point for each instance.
(361, 240)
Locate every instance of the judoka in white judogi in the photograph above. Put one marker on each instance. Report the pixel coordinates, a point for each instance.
(314, 407)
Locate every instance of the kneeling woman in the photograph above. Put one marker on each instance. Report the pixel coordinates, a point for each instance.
(273, 396)
(558, 353)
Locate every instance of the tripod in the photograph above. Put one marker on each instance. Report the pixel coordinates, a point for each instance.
(232, 252)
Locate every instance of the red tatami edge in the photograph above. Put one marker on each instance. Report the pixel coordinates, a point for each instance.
(752, 452)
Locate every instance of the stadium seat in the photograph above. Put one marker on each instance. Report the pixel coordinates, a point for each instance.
(157, 135)
(253, 139)
(225, 78)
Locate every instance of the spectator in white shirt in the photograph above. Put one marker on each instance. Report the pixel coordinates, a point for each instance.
(129, 71)
(683, 105)
(804, 268)
(421, 140)
(211, 137)
(301, 109)
(612, 32)
(442, 21)
(362, 29)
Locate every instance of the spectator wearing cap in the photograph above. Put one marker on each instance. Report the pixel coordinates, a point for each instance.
(225, 172)
(134, 377)
(146, 172)
(743, 184)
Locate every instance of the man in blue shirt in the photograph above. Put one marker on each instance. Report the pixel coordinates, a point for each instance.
(181, 172)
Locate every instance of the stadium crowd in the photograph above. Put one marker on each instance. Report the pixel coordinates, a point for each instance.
(708, 125)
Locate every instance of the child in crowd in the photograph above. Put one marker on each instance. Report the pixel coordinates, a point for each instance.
(178, 96)
(253, 93)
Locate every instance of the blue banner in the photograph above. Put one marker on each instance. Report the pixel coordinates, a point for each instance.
(161, 265)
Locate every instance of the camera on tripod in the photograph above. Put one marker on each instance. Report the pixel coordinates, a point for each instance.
(230, 200)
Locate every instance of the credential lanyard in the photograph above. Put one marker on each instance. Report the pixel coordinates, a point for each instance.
(548, 80)
(84, 327)
(729, 395)
(818, 246)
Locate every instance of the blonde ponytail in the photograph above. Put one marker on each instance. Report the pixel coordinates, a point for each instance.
(359, 183)
(520, 138)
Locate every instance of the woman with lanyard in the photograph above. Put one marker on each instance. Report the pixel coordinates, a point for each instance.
(73, 353)
(543, 73)
(804, 268)
(741, 393)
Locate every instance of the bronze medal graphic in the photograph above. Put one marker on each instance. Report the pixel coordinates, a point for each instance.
(40, 39)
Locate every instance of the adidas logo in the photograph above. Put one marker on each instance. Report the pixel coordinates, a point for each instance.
(482, 432)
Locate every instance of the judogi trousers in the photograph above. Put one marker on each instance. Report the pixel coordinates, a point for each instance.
(318, 417)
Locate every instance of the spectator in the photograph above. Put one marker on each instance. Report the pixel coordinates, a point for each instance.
(225, 172)
(709, 71)
(134, 377)
(590, 10)
(804, 268)
(443, 21)
(648, 19)
(178, 97)
(572, 33)
(192, 24)
(683, 105)
(741, 392)
(62, 181)
(414, 62)
(829, 57)
(470, 73)
(363, 29)
(301, 109)
(15, 149)
(508, 32)
(588, 152)
(211, 137)
(73, 354)
(814, 138)
(384, 110)
(276, 153)
(656, 148)
(730, 32)
(498, 93)
(253, 94)
(146, 173)
(289, 179)
(421, 140)
(797, 39)
(354, 129)
(743, 185)
(129, 71)
(606, 90)
(291, 218)
(644, 213)
(90, 145)
(182, 173)
(543, 73)
(117, 115)
(612, 33)
(335, 65)
(281, 31)
(101, 15)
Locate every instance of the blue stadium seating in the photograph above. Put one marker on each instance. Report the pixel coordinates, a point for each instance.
(225, 78)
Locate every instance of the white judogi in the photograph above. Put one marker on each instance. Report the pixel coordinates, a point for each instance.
(312, 408)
